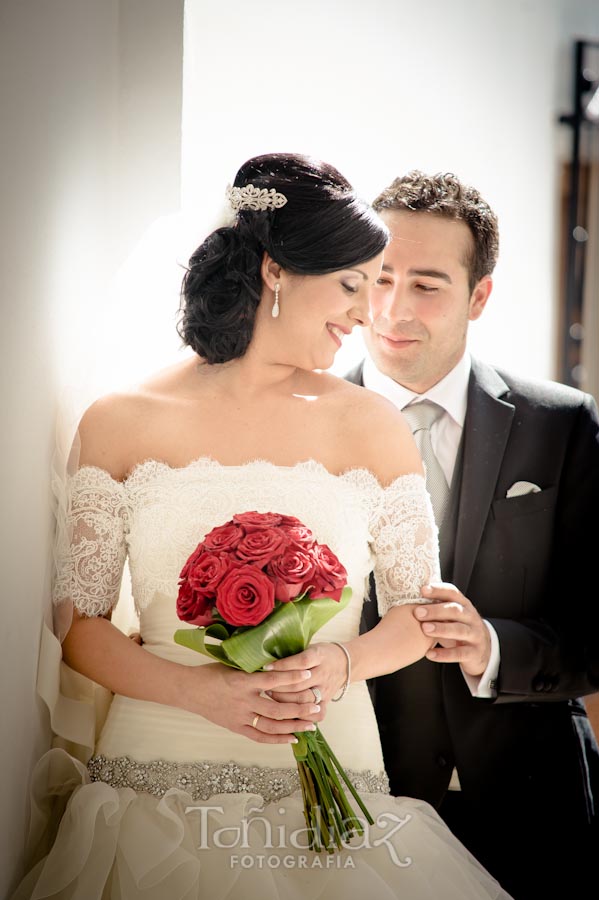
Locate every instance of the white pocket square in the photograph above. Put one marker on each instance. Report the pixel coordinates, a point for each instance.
(523, 487)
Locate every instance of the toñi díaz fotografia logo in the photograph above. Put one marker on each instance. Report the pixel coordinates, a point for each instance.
(252, 836)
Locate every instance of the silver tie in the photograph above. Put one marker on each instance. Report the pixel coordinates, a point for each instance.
(421, 416)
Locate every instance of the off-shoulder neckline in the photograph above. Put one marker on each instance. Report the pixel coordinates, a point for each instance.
(208, 462)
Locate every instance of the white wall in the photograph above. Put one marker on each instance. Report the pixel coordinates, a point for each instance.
(378, 88)
(90, 106)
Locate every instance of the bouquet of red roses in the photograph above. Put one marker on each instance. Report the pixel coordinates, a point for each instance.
(261, 585)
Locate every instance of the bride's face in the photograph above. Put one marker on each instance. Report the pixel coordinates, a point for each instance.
(318, 311)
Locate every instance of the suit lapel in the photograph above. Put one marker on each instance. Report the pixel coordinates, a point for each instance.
(486, 430)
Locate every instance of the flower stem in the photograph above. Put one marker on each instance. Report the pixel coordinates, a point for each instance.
(330, 819)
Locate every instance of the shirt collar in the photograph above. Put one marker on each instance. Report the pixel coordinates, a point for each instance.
(451, 392)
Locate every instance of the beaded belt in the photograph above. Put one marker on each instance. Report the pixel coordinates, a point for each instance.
(204, 780)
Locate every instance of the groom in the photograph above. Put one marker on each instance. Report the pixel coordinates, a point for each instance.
(488, 728)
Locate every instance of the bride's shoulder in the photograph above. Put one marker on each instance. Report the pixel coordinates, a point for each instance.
(373, 432)
(115, 428)
(122, 428)
(339, 391)
(108, 430)
(356, 402)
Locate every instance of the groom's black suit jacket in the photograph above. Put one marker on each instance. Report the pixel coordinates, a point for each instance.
(529, 566)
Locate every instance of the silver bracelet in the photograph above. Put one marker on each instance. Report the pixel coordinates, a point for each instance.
(345, 687)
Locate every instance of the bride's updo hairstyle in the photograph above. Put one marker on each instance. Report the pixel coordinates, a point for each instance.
(323, 227)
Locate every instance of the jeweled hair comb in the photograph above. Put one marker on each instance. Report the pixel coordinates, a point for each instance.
(250, 197)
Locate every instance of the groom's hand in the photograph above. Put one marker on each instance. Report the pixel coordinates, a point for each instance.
(461, 633)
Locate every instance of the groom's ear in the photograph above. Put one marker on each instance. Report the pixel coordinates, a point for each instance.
(479, 297)
(270, 271)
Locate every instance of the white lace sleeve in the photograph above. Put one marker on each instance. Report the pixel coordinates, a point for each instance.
(405, 542)
(91, 543)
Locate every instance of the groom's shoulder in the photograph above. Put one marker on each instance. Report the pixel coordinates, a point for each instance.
(540, 394)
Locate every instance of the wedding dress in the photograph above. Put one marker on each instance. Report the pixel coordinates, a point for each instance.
(173, 807)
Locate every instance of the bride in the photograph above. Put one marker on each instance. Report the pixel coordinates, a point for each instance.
(191, 791)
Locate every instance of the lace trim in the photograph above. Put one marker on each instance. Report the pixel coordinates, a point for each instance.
(204, 780)
(150, 468)
(91, 549)
(405, 543)
(160, 511)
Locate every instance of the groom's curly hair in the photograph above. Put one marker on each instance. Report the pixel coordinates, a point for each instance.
(445, 196)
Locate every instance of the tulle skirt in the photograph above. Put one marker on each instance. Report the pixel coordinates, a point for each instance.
(92, 841)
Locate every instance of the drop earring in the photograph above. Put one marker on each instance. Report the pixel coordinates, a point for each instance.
(275, 308)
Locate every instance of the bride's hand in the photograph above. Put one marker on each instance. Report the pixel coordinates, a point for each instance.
(328, 665)
(237, 701)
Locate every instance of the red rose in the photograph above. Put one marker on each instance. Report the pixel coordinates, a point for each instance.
(193, 607)
(207, 571)
(245, 596)
(300, 535)
(330, 577)
(289, 520)
(259, 547)
(197, 553)
(291, 571)
(223, 537)
(255, 521)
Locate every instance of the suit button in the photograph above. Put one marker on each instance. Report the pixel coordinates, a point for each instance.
(441, 761)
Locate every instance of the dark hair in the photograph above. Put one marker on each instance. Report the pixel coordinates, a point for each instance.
(322, 228)
(445, 196)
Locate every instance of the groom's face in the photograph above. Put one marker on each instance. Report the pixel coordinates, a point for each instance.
(422, 303)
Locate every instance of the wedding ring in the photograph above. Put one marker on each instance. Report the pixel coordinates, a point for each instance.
(317, 694)
(255, 721)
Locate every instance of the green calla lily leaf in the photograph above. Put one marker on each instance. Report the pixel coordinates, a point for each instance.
(195, 639)
(286, 631)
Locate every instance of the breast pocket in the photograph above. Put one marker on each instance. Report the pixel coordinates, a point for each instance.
(518, 546)
(525, 505)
